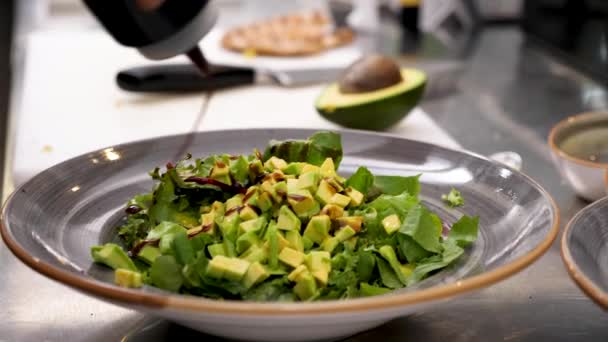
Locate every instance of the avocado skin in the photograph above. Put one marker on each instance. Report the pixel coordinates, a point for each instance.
(376, 115)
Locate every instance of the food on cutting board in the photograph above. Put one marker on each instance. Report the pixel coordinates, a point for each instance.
(374, 93)
(281, 226)
(297, 34)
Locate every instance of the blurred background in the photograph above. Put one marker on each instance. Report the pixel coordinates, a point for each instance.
(501, 74)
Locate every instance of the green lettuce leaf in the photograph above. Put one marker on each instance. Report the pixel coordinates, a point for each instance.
(278, 289)
(314, 150)
(411, 250)
(464, 231)
(395, 185)
(450, 252)
(362, 180)
(424, 227)
(387, 275)
(166, 206)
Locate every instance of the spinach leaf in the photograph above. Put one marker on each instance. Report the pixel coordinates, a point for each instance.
(314, 150)
(464, 231)
(451, 252)
(424, 227)
(387, 275)
(361, 180)
(395, 185)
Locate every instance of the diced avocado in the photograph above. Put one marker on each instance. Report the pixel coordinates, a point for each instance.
(295, 240)
(229, 227)
(317, 229)
(166, 244)
(255, 253)
(255, 274)
(283, 242)
(113, 256)
(308, 243)
(292, 186)
(182, 248)
(252, 225)
(127, 278)
(239, 169)
(208, 222)
(251, 196)
(256, 169)
(328, 169)
(352, 242)
(356, 197)
(407, 269)
(291, 257)
(220, 169)
(148, 254)
(308, 181)
(235, 201)
(355, 222)
(275, 163)
(371, 290)
(306, 287)
(293, 168)
(297, 272)
(248, 213)
(265, 201)
(340, 200)
(388, 253)
(302, 203)
(273, 245)
(329, 244)
(218, 208)
(288, 220)
(216, 249)
(310, 168)
(267, 186)
(333, 181)
(245, 241)
(229, 248)
(280, 191)
(391, 223)
(333, 211)
(319, 264)
(325, 192)
(345, 234)
(227, 268)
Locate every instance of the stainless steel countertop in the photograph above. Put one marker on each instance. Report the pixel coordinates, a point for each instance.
(510, 95)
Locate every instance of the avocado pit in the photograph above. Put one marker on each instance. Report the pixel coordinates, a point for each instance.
(370, 73)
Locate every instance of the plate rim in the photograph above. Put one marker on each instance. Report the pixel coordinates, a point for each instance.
(135, 297)
(587, 285)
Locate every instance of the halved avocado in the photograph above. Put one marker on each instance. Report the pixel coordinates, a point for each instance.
(375, 110)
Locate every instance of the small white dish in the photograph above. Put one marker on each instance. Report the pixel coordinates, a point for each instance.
(579, 146)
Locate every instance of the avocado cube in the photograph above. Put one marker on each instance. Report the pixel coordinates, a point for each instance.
(275, 163)
(245, 241)
(345, 234)
(317, 229)
(282, 242)
(356, 197)
(302, 203)
(251, 196)
(208, 222)
(329, 244)
(407, 269)
(297, 272)
(229, 227)
(292, 186)
(352, 242)
(333, 181)
(306, 287)
(291, 257)
(355, 222)
(218, 208)
(255, 274)
(268, 187)
(294, 168)
(340, 200)
(248, 213)
(288, 220)
(308, 181)
(233, 203)
(216, 249)
(127, 278)
(328, 169)
(228, 268)
(319, 264)
(255, 253)
(325, 192)
(256, 169)
(280, 191)
(391, 223)
(252, 225)
(112, 255)
(272, 245)
(310, 168)
(295, 240)
(148, 254)
(265, 201)
(333, 211)
(220, 169)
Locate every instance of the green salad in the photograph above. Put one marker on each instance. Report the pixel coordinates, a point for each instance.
(281, 226)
